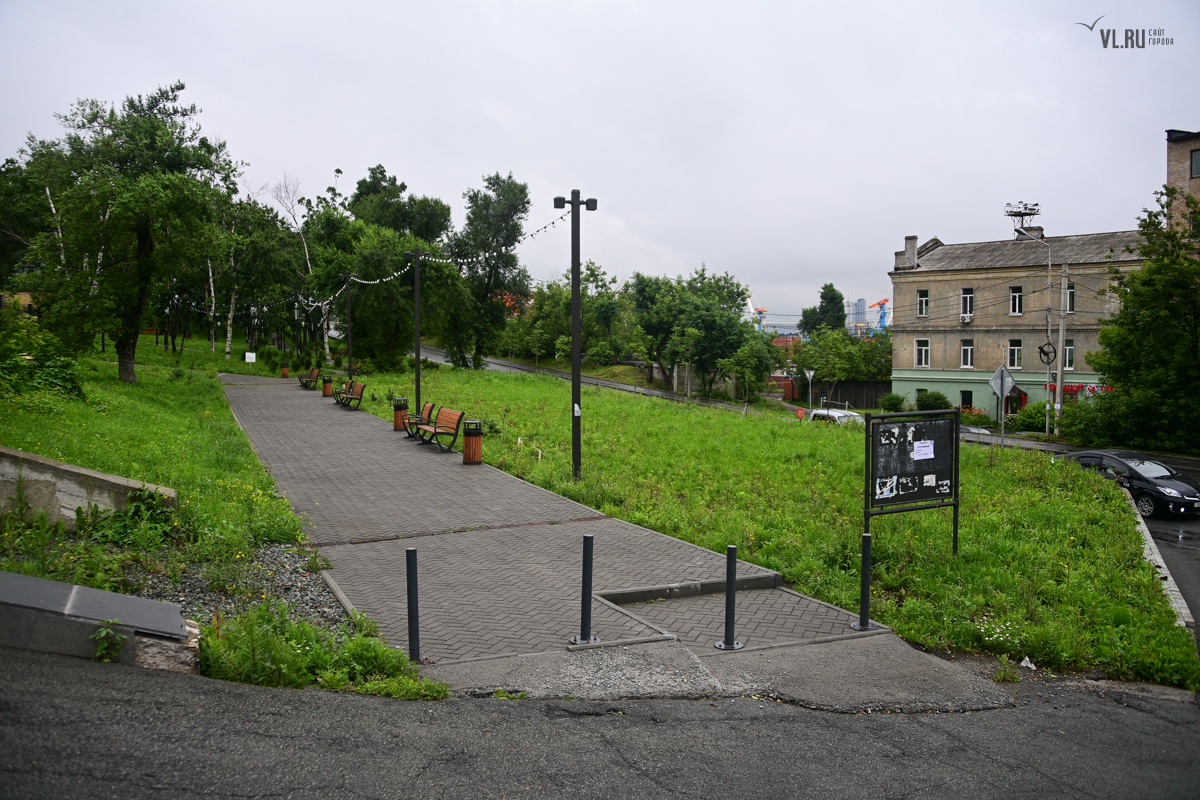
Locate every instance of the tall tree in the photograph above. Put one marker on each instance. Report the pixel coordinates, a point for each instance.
(830, 312)
(1150, 348)
(130, 191)
(484, 249)
(379, 199)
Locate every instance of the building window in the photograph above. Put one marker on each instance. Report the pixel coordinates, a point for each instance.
(922, 352)
(968, 354)
(1014, 353)
(1016, 300)
(922, 302)
(1196, 163)
(966, 398)
(1069, 354)
(1070, 298)
(968, 301)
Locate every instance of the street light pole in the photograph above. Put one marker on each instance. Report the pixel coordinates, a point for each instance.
(415, 255)
(349, 335)
(576, 325)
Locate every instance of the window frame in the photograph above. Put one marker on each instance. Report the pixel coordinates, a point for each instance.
(1015, 356)
(1016, 301)
(966, 354)
(918, 349)
(1195, 164)
(922, 303)
(1070, 298)
(1068, 355)
(966, 300)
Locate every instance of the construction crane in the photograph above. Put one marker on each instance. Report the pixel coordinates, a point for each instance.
(756, 313)
(882, 305)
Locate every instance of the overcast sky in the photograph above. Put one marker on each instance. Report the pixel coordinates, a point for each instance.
(787, 143)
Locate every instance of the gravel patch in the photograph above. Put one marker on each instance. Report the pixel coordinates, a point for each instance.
(278, 571)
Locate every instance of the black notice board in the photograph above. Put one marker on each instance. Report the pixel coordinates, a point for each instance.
(912, 460)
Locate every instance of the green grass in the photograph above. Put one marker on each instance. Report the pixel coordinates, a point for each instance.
(194, 355)
(264, 646)
(1050, 562)
(173, 428)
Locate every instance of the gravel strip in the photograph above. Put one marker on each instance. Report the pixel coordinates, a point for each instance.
(285, 575)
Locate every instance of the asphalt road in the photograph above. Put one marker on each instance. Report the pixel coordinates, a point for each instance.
(71, 728)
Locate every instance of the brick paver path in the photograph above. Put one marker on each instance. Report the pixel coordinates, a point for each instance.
(499, 558)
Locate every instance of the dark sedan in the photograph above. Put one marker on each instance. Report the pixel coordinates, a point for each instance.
(1156, 488)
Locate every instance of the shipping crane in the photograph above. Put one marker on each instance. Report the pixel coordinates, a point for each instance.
(882, 305)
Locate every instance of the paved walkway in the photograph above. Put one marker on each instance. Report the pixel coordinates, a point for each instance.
(499, 558)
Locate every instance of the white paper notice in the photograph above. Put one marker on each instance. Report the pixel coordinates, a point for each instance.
(922, 449)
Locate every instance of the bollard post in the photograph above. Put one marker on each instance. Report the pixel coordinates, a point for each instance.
(472, 442)
(414, 625)
(729, 642)
(400, 414)
(585, 616)
(864, 601)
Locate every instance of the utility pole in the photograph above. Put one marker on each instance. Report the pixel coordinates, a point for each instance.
(415, 255)
(576, 324)
(1062, 351)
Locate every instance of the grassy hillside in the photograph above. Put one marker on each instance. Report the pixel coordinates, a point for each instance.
(1050, 562)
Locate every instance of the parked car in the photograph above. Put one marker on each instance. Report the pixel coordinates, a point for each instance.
(975, 429)
(1156, 488)
(836, 416)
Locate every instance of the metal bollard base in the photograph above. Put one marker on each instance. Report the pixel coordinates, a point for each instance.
(581, 640)
(723, 645)
(871, 626)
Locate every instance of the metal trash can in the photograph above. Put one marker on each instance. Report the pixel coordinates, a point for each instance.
(326, 386)
(472, 441)
(400, 414)
(284, 371)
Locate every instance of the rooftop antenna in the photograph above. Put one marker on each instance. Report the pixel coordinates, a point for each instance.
(1022, 213)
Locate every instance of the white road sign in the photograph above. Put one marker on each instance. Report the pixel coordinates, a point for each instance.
(1002, 381)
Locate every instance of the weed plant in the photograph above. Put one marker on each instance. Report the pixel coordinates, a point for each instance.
(264, 646)
(166, 430)
(1050, 562)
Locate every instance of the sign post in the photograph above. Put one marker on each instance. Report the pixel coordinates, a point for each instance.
(1002, 382)
(911, 465)
(808, 373)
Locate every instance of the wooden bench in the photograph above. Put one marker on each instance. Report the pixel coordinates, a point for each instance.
(424, 418)
(350, 393)
(310, 380)
(447, 423)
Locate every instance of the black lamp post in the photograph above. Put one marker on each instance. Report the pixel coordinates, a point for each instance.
(415, 255)
(576, 325)
(349, 337)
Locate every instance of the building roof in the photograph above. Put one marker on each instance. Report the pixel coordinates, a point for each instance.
(1181, 136)
(1087, 248)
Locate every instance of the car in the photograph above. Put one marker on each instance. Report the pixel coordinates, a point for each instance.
(1156, 488)
(836, 416)
(975, 429)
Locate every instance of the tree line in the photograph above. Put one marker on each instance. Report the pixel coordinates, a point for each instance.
(134, 218)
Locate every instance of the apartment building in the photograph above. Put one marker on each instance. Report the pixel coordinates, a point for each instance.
(962, 310)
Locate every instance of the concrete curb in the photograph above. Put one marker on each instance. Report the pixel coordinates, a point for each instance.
(1183, 614)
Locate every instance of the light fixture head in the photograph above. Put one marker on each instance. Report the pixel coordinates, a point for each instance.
(560, 202)
(590, 204)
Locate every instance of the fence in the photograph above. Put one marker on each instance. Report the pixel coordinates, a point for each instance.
(859, 394)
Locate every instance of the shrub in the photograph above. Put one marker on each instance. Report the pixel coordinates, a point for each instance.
(1030, 418)
(932, 401)
(976, 416)
(892, 402)
(264, 646)
(601, 354)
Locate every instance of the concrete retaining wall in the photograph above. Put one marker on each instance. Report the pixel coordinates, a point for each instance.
(59, 488)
